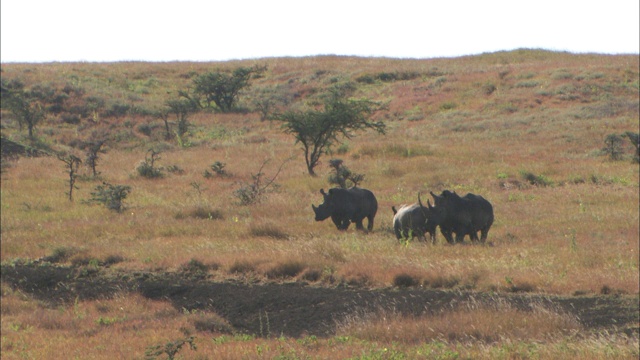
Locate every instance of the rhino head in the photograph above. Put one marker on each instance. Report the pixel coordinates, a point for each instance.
(324, 210)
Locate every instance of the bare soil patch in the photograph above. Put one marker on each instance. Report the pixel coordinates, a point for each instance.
(294, 309)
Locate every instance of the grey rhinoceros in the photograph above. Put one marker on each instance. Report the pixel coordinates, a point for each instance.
(412, 220)
(347, 205)
(462, 215)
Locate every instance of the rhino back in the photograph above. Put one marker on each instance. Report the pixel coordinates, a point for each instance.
(354, 202)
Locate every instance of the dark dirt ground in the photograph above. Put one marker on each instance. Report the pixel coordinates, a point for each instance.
(295, 309)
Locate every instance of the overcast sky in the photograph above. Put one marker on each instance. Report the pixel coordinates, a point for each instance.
(191, 30)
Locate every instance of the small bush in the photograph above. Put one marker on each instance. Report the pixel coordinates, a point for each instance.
(111, 196)
(175, 169)
(312, 275)
(439, 282)
(217, 168)
(202, 212)
(342, 175)
(405, 280)
(212, 323)
(527, 84)
(60, 254)
(113, 259)
(536, 180)
(448, 106)
(170, 349)
(268, 230)
(242, 267)
(614, 146)
(71, 119)
(488, 88)
(147, 168)
(148, 171)
(146, 129)
(194, 266)
(288, 269)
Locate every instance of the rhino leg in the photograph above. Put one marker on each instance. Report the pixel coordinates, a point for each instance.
(341, 224)
(483, 234)
(359, 225)
(370, 222)
(337, 221)
(447, 235)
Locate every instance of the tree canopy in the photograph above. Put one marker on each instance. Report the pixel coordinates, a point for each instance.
(318, 130)
(222, 88)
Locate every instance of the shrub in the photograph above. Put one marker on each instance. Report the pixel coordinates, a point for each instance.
(60, 254)
(287, 269)
(147, 167)
(488, 88)
(212, 323)
(242, 267)
(405, 280)
(252, 193)
(536, 180)
(217, 168)
(170, 349)
(342, 176)
(111, 196)
(613, 146)
(268, 230)
(448, 106)
(202, 212)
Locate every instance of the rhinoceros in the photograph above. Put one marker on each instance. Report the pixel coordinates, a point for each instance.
(462, 215)
(347, 205)
(411, 220)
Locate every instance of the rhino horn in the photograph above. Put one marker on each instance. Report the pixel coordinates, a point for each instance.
(429, 204)
(322, 192)
(315, 209)
(393, 208)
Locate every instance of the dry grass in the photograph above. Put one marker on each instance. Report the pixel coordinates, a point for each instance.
(548, 116)
(126, 326)
(471, 324)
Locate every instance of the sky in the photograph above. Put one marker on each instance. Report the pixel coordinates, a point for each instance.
(220, 30)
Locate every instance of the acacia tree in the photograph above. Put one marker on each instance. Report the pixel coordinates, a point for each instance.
(318, 130)
(181, 109)
(26, 105)
(72, 165)
(221, 88)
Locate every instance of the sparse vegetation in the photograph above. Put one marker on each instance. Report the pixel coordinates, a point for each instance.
(147, 168)
(251, 193)
(111, 196)
(525, 129)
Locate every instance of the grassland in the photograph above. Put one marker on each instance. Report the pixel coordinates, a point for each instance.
(473, 124)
